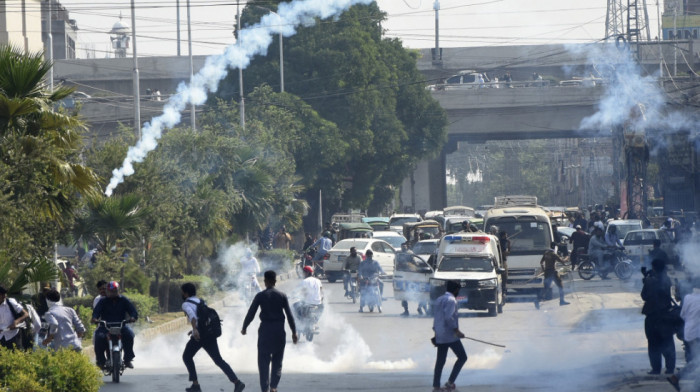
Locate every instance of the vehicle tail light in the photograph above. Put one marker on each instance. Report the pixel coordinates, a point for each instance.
(482, 239)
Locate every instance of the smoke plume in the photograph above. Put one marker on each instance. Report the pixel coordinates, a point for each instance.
(252, 41)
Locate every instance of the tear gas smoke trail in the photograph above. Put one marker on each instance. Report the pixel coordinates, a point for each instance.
(252, 41)
(626, 91)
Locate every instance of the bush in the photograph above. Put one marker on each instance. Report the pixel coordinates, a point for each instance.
(145, 304)
(205, 288)
(85, 315)
(47, 371)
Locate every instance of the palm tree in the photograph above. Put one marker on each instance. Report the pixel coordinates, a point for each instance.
(46, 140)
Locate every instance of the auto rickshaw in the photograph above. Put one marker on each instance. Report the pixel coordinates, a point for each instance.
(378, 223)
(417, 231)
(354, 230)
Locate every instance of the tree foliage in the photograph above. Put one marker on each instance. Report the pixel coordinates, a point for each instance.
(365, 85)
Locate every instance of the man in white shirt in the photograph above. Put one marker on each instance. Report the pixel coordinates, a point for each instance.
(211, 346)
(9, 324)
(311, 294)
(65, 327)
(249, 271)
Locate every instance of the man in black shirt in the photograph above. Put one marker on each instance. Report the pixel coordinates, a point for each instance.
(271, 335)
(580, 240)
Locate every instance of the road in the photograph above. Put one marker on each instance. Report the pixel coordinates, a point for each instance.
(595, 344)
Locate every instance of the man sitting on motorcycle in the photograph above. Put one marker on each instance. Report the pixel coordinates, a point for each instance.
(113, 309)
(350, 267)
(250, 268)
(612, 239)
(597, 247)
(324, 246)
(368, 268)
(311, 295)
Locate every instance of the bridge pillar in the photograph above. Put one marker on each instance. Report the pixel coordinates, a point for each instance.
(426, 188)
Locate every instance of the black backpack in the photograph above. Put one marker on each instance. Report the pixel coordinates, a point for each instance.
(208, 321)
(26, 331)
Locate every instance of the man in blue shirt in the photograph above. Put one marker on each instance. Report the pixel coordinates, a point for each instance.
(368, 268)
(113, 309)
(324, 245)
(447, 335)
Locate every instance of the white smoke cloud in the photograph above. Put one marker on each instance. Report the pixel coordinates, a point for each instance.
(252, 41)
(628, 90)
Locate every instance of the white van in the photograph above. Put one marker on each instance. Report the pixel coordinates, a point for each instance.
(476, 262)
(530, 233)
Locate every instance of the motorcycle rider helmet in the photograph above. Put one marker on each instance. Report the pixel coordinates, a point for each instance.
(309, 269)
(113, 285)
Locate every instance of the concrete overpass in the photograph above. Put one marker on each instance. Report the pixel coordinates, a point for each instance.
(478, 115)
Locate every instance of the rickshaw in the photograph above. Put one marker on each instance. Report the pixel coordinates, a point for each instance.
(427, 229)
(354, 230)
(378, 223)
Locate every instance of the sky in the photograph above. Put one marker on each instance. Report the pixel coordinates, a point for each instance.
(462, 23)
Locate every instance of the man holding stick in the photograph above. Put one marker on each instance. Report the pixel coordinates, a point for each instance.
(447, 335)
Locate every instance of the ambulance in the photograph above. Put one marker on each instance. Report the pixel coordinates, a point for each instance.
(475, 261)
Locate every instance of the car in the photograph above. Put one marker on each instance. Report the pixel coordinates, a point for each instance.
(624, 226)
(637, 244)
(397, 220)
(393, 238)
(383, 252)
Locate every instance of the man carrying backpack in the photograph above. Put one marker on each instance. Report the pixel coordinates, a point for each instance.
(12, 315)
(193, 308)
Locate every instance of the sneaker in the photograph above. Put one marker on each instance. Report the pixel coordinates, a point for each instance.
(450, 387)
(420, 311)
(194, 388)
(129, 364)
(379, 309)
(239, 387)
(405, 313)
(361, 310)
(562, 303)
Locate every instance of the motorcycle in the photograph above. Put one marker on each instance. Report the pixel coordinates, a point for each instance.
(115, 365)
(250, 289)
(352, 288)
(616, 261)
(305, 259)
(370, 293)
(307, 319)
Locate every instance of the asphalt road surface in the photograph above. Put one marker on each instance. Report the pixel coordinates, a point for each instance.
(595, 344)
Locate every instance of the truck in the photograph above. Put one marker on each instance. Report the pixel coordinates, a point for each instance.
(529, 231)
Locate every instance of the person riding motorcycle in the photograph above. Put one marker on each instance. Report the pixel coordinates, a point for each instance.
(112, 309)
(612, 239)
(369, 268)
(324, 246)
(250, 268)
(597, 247)
(311, 293)
(350, 267)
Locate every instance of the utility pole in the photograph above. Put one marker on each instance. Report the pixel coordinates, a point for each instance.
(240, 69)
(137, 89)
(193, 123)
(177, 6)
(437, 53)
(49, 29)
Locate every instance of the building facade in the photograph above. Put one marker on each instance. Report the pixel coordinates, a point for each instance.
(64, 31)
(20, 24)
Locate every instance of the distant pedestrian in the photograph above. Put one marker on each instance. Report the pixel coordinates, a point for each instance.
(282, 239)
(210, 344)
(272, 338)
(65, 328)
(656, 294)
(548, 265)
(447, 335)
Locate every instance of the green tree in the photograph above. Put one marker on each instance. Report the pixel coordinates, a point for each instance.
(41, 176)
(369, 87)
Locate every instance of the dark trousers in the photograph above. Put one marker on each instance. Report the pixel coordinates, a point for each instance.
(270, 378)
(102, 345)
(14, 343)
(660, 342)
(442, 348)
(211, 346)
(271, 343)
